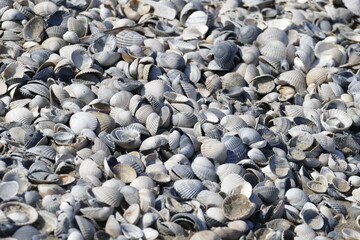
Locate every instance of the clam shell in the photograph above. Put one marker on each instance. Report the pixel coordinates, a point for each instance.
(248, 34)
(204, 169)
(335, 120)
(45, 9)
(124, 172)
(34, 29)
(86, 227)
(262, 84)
(127, 38)
(22, 115)
(238, 207)
(188, 188)
(8, 190)
(108, 195)
(296, 197)
(19, 213)
(214, 149)
(224, 54)
(83, 120)
(272, 34)
(279, 166)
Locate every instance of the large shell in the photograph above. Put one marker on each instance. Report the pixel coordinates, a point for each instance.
(237, 207)
(127, 38)
(224, 54)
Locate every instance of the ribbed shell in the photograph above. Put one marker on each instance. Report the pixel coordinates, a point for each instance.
(319, 75)
(293, 78)
(224, 53)
(83, 120)
(275, 49)
(215, 150)
(108, 195)
(271, 34)
(22, 115)
(188, 188)
(335, 120)
(247, 34)
(170, 60)
(204, 169)
(127, 38)
(34, 29)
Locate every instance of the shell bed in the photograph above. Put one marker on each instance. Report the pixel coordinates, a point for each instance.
(180, 119)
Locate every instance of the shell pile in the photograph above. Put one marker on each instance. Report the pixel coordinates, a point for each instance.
(186, 119)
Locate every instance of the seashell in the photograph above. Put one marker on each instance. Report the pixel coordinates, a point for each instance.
(335, 120)
(224, 54)
(86, 227)
(45, 9)
(25, 232)
(106, 58)
(207, 234)
(127, 38)
(34, 29)
(233, 123)
(204, 169)
(131, 231)
(296, 197)
(19, 213)
(53, 43)
(311, 216)
(350, 234)
(341, 185)
(188, 188)
(293, 78)
(214, 149)
(8, 190)
(143, 182)
(124, 172)
(108, 195)
(184, 119)
(262, 84)
(238, 207)
(248, 34)
(272, 34)
(279, 166)
(83, 120)
(22, 115)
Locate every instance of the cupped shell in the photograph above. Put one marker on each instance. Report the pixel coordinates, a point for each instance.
(238, 207)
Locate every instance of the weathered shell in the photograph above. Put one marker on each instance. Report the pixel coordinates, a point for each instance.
(263, 84)
(238, 207)
(124, 172)
(86, 227)
(296, 197)
(224, 54)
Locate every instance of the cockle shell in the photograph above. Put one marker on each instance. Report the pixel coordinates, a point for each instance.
(335, 120)
(187, 188)
(214, 149)
(237, 207)
(83, 120)
(22, 115)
